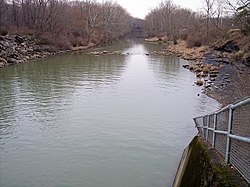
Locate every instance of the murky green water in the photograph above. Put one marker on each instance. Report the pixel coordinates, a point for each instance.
(97, 121)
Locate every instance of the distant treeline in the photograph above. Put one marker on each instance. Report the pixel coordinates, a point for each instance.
(215, 18)
(65, 23)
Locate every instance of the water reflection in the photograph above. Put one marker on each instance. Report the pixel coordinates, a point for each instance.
(39, 90)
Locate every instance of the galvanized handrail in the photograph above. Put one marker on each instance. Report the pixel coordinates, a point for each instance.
(205, 128)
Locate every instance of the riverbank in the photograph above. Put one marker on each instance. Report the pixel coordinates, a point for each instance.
(17, 49)
(223, 75)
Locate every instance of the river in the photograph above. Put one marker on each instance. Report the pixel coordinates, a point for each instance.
(97, 121)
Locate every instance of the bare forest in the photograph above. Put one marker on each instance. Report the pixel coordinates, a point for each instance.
(65, 23)
(85, 23)
(214, 19)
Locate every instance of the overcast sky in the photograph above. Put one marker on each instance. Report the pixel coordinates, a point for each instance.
(139, 8)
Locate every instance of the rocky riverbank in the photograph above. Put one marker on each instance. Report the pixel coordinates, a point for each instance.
(232, 82)
(223, 77)
(223, 69)
(16, 49)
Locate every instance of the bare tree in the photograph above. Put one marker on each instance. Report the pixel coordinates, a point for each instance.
(209, 10)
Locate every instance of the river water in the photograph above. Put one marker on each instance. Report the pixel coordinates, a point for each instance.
(97, 121)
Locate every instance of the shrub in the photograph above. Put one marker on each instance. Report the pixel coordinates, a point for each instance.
(3, 31)
(45, 39)
(195, 40)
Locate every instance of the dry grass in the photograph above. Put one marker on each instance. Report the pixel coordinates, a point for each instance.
(195, 53)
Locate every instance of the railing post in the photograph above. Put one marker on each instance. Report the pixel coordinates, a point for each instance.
(207, 127)
(203, 128)
(215, 124)
(230, 119)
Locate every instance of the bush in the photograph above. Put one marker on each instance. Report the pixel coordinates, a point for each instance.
(195, 40)
(44, 39)
(3, 31)
(183, 34)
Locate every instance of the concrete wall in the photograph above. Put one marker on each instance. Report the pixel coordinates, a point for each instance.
(201, 166)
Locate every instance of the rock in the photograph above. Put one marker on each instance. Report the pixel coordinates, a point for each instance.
(225, 61)
(19, 39)
(94, 53)
(117, 52)
(213, 68)
(214, 72)
(191, 67)
(222, 60)
(30, 49)
(205, 69)
(186, 66)
(2, 60)
(197, 69)
(155, 39)
(213, 75)
(12, 61)
(208, 85)
(105, 52)
(147, 54)
(1, 64)
(198, 75)
(209, 81)
(199, 82)
(247, 60)
(23, 45)
(204, 74)
(198, 63)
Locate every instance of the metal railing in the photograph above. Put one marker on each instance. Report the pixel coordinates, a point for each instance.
(228, 131)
